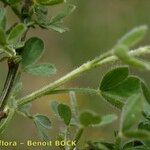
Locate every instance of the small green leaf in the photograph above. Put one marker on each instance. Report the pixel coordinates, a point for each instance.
(132, 111)
(145, 125)
(117, 86)
(2, 19)
(65, 113)
(133, 37)
(138, 134)
(88, 118)
(134, 145)
(41, 69)
(57, 28)
(113, 78)
(56, 22)
(121, 51)
(41, 131)
(2, 37)
(146, 91)
(43, 120)
(54, 106)
(107, 119)
(118, 94)
(12, 2)
(66, 12)
(32, 51)
(100, 145)
(16, 33)
(25, 108)
(49, 2)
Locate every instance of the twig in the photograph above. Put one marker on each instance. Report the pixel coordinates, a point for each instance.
(77, 137)
(78, 90)
(99, 61)
(13, 67)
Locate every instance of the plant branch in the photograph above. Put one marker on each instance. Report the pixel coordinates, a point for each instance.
(77, 137)
(99, 61)
(13, 67)
(78, 90)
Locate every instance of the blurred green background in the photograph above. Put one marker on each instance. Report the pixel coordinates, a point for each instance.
(95, 26)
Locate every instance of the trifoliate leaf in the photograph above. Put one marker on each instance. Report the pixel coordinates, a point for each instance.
(117, 86)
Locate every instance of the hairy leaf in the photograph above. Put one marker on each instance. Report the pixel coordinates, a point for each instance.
(32, 51)
(16, 33)
(41, 69)
(118, 94)
(88, 118)
(42, 132)
(25, 108)
(54, 106)
(65, 113)
(43, 120)
(132, 111)
(113, 78)
(133, 36)
(2, 19)
(66, 12)
(121, 51)
(107, 119)
(56, 22)
(2, 37)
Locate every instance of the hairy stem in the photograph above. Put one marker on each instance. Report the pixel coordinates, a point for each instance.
(13, 67)
(77, 137)
(78, 90)
(99, 61)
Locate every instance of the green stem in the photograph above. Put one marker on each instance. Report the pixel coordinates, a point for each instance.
(99, 61)
(77, 137)
(7, 120)
(78, 90)
(8, 83)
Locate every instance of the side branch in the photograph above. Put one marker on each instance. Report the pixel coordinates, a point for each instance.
(99, 61)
